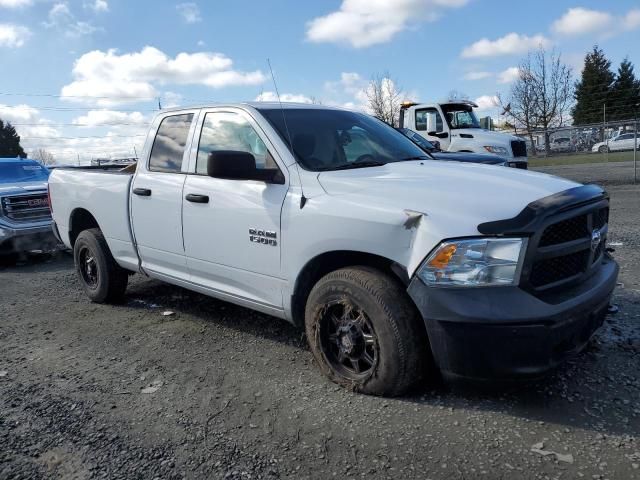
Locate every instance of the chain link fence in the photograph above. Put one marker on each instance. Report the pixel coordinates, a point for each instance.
(616, 144)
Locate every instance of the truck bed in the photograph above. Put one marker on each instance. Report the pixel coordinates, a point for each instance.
(104, 194)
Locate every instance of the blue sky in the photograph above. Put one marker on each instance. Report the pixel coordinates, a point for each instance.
(130, 52)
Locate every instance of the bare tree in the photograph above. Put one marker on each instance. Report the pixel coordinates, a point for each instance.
(384, 98)
(553, 84)
(43, 156)
(519, 108)
(541, 96)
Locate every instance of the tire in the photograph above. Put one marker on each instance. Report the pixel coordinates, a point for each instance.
(603, 149)
(102, 279)
(383, 332)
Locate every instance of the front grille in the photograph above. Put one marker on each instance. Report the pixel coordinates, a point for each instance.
(565, 231)
(519, 148)
(25, 208)
(556, 269)
(601, 218)
(567, 249)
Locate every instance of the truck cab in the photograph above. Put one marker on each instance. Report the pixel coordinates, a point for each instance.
(457, 128)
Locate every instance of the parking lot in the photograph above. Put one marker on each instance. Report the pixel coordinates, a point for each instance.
(173, 384)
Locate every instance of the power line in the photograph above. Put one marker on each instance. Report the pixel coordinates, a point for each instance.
(116, 124)
(53, 95)
(27, 137)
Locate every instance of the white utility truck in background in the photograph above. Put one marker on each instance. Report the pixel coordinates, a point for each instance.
(391, 261)
(456, 127)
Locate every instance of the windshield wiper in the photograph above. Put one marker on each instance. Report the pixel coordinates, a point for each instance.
(420, 157)
(347, 166)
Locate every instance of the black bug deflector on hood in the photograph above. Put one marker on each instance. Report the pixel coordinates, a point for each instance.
(528, 220)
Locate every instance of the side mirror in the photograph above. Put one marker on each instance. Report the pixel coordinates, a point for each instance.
(233, 165)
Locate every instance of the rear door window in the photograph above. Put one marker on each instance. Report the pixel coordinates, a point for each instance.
(170, 142)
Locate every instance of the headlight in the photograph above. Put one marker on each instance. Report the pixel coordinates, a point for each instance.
(475, 262)
(495, 149)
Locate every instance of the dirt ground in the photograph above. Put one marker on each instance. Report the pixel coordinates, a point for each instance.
(217, 391)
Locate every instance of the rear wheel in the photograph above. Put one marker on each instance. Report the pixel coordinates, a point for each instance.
(102, 279)
(365, 333)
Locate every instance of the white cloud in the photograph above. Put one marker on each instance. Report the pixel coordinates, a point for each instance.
(350, 83)
(477, 75)
(95, 118)
(578, 21)
(28, 123)
(61, 18)
(486, 102)
(97, 6)
(18, 113)
(13, 36)
(362, 23)
(285, 97)
(631, 20)
(510, 44)
(509, 75)
(171, 99)
(133, 76)
(14, 3)
(582, 21)
(190, 12)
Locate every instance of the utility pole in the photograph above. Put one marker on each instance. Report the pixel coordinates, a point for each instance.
(135, 152)
(604, 133)
(635, 142)
(78, 159)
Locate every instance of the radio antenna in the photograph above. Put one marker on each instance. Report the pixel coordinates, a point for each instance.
(284, 118)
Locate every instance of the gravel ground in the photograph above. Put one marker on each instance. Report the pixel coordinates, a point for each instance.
(217, 391)
(607, 174)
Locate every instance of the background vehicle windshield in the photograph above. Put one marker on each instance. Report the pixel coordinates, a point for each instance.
(19, 172)
(326, 139)
(419, 140)
(460, 116)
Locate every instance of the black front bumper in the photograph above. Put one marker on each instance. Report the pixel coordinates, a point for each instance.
(506, 333)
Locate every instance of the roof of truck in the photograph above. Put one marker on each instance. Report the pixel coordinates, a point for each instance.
(257, 105)
(17, 160)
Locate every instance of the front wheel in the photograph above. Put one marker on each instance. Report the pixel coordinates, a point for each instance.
(102, 279)
(364, 332)
(603, 149)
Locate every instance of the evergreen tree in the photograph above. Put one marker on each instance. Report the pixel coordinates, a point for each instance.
(625, 93)
(594, 88)
(10, 141)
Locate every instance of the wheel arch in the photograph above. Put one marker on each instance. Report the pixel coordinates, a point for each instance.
(79, 220)
(327, 262)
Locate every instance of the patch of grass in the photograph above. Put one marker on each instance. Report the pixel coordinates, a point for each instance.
(583, 157)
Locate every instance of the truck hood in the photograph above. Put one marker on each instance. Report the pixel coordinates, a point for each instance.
(18, 188)
(463, 195)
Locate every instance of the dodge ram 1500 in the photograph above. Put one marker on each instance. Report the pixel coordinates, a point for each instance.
(392, 262)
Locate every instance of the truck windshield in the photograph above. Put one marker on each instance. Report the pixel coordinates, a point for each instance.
(460, 116)
(22, 172)
(324, 139)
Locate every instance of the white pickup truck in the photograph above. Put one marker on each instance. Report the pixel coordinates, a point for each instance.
(393, 262)
(456, 128)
